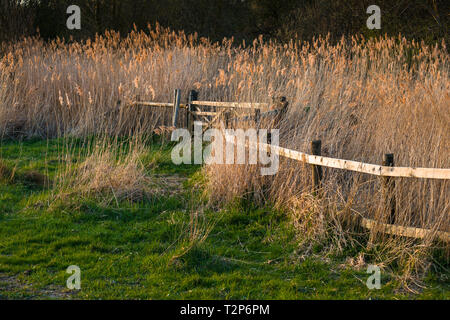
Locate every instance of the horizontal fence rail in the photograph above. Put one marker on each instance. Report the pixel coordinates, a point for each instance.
(204, 113)
(236, 105)
(373, 169)
(154, 104)
(410, 232)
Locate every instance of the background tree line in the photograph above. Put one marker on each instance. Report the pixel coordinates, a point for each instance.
(243, 19)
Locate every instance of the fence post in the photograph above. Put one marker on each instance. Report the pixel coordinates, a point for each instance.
(257, 116)
(227, 117)
(176, 107)
(317, 174)
(269, 136)
(193, 95)
(388, 188)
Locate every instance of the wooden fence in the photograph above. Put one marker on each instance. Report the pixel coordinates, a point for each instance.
(209, 112)
(195, 111)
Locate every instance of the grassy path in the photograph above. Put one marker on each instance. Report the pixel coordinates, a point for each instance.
(167, 247)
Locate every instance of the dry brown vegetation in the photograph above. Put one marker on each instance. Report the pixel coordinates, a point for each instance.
(363, 98)
(110, 171)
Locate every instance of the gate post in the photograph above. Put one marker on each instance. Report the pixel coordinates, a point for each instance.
(193, 96)
(176, 107)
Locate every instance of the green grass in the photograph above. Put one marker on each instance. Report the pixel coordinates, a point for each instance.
(142, 250)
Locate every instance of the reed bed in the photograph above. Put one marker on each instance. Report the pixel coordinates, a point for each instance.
(362, 97)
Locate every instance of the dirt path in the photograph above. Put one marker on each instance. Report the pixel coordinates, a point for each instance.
(18, 289)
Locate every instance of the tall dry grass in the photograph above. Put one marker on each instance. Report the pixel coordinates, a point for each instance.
(363, 98)
(106, 169)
